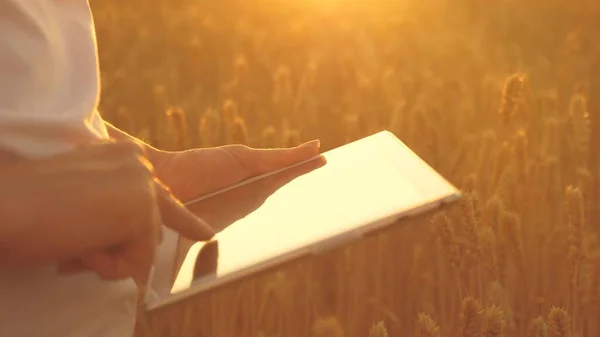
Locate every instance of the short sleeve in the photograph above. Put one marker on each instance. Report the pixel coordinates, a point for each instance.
(43, 110)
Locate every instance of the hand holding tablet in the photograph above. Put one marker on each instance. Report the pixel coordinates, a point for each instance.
(319, 204)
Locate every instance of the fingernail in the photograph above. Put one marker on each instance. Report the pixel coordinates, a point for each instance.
(316, 144)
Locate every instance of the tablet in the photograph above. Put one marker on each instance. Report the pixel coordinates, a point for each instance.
(322, 203)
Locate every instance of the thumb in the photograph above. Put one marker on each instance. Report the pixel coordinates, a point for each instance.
(260, 161)
(177, 217)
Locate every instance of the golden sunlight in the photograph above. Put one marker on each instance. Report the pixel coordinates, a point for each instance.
(500, 96)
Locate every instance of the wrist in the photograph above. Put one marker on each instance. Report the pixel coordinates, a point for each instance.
(156, 157)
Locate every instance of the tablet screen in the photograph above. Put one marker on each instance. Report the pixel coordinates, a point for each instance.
(340, 192)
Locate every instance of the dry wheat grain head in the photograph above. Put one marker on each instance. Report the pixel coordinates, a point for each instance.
(229, 111)
(428, 326)
(470, 318)
(378, 330)
(494, 323)
(577, 254)
(510, 232)
(574, 205)
(445, 232)
(210, 128)
(498, 296)
(470, 216)
(559, 322)
(512, 93)
(291, 138)
(538, 328)
(269, 137)
(177, 121)
(239, 131)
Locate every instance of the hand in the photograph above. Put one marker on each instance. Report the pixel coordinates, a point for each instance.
(193, 173)
(99, 207)
(196, 172)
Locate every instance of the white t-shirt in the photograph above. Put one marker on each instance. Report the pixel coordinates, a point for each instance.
(49, 90)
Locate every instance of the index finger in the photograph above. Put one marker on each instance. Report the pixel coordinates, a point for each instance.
(176, 216)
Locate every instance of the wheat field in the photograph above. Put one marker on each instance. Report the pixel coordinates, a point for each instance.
(502, 97)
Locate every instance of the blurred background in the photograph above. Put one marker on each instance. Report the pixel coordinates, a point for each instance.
(500, 96)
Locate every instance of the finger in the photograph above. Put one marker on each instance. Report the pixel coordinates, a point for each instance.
(260, 161)
(177, 217)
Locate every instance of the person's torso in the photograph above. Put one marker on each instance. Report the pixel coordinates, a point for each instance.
(48, 98)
